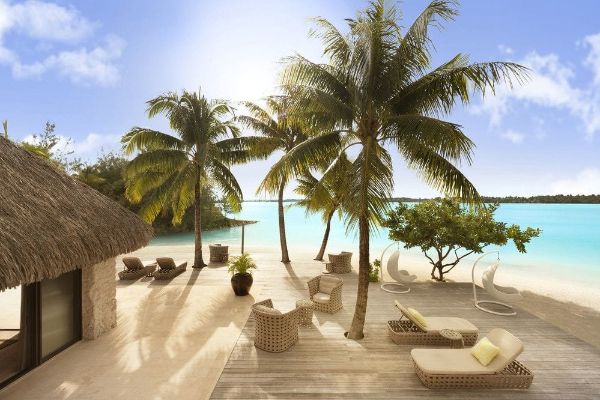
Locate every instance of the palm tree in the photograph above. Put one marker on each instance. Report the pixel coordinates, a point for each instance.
(280, 131)
(326, 195)
(173, 172)
(375, 92)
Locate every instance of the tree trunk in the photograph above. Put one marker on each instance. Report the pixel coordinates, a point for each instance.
(319, 256)
(198, 261)
(437, 266)
(360, 311)
(284, 250)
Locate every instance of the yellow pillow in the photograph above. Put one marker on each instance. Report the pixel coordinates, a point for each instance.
(485, 351)
(417, 315)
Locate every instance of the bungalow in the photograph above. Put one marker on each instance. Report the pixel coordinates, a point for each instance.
(58, 243)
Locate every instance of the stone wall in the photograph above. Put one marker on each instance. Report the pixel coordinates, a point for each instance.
(98, 302)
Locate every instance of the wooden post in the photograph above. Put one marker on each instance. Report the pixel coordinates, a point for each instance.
(243, 229)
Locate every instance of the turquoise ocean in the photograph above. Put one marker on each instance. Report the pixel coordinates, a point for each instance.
(567, 250)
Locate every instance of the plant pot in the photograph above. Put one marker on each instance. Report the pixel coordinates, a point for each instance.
(241, 283)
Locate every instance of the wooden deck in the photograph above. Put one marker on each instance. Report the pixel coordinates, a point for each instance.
(323, 364)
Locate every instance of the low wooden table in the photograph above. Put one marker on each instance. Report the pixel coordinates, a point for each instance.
(455, 339)
(306, 311)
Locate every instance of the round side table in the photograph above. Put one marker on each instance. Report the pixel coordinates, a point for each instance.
(455, 339)
(306, 311)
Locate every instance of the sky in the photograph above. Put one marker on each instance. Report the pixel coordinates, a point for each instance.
(89, 67)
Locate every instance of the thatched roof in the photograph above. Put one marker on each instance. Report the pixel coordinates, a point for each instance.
(51, 223)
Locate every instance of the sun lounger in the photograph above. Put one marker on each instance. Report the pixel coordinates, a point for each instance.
(458, 368)
(136, 268)
(169, 269)
(407, 330)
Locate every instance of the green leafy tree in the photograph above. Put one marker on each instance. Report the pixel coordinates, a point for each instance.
(446, 232)
(326, 195)
(280, 132)
(173, 172)
(377, 91)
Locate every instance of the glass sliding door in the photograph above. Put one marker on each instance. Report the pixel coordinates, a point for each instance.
(60, 301)
(10, 333)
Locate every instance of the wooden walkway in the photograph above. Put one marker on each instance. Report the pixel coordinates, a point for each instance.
(323, 364)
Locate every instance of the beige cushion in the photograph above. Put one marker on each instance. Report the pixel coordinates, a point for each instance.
(267, 310)
(460, 361)
(165, 262)
(448, 361)
(418, 316)
(321, 298)
(328, 283)
(436, 324)
(133, 263)
(485, 351)
(408, 315)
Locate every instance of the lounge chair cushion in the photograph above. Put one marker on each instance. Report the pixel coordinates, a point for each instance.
(328, 283)
(133, 263)
(267, 310)
(460, 361)
(166, 263)
(485, 351)
(448, 361)
(436, 324)
(418, 316)
(322, 298)
(408, 315)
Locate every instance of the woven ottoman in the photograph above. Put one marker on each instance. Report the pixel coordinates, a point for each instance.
(306, 311)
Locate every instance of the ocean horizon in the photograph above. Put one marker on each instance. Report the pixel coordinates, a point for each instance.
(568, 249)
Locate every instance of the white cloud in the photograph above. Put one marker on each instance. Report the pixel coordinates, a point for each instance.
(505, 49)
(513, 136)
(80, 66)
(593, 58)
(48, 22)
(586, 181)
(95, 143)
(551, 85)
(87, 148)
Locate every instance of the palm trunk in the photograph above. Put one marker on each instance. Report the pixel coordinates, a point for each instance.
(319, 256)
(198, 261)
(360, 311)
(285, 258)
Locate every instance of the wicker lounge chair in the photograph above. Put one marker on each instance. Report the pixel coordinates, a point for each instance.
(275, 332)
(169, 269)
(457, 368)
(407, 330)
(136, 268)
(339, 263)
(326, 293)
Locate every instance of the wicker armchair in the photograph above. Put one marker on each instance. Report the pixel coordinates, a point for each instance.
(339, 263)
(275, 332)
(326, 293)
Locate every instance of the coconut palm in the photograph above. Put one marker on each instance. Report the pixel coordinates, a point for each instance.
(280, 131)
(173, 172)
(378, 93)
(326, 195)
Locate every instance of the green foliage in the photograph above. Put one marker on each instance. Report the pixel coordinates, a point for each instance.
(243, 264)
(374, 271)
(442, 228)
(170, 172)
(5, 128)
(327, 194)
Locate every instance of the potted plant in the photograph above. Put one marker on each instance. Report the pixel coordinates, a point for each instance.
(240, 267)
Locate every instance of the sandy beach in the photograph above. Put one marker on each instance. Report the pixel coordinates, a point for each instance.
(575, 309)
